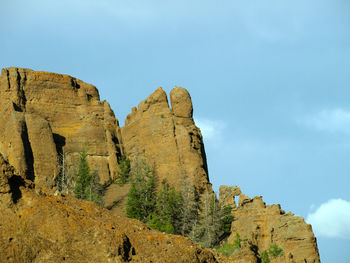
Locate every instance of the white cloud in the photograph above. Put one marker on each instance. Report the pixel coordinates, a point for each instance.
(334, 121)
(211, 129)
(331, 219)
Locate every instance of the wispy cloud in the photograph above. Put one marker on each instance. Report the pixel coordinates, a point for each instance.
(333, 120)
(212, 130)
(331, 219)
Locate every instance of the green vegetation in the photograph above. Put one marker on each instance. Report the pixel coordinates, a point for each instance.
(166, 214)
(274, 251)
(175, 212)
(227, 249)
(124, 170)
(142, 194)
(238, 240)
(162, 116)
(265, 257)
(87, 186)
(160, 210)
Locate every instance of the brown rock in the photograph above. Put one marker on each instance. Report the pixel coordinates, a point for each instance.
(68, 107)
(181, 102)
(228, 194)
(14, 139)
(43, 149)
(168, 139)
(263, 225)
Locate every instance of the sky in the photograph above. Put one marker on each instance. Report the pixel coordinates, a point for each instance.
(269, 82)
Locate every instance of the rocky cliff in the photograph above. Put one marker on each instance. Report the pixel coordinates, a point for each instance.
(47, 119)
(168, 138)
(45, 115)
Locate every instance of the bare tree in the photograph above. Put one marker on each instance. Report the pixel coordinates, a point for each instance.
(190, 208)
(65, 179)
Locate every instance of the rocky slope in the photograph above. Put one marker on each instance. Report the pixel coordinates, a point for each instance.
(39, 226)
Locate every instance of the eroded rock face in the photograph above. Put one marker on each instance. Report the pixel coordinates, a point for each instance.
(44, 115)
(168, 138)
(38, 226)
(265, 224)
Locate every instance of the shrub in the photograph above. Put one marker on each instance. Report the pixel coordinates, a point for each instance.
(227, 249)
(265, 257)
(275, 251)
(238, 240)
(142, 194)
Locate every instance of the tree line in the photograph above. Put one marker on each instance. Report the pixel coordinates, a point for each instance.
(176, 212)
(204, 220)
(163, 208)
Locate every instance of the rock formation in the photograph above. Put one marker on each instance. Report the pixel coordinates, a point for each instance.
(168, 138)
(263, 225)
(47, 119)
(48, 114)
(44, 115)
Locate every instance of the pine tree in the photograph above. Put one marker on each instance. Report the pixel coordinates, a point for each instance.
(166, 215)
(87, 186)
(83, 177)
(142, 194)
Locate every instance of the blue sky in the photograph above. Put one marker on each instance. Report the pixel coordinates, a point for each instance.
(269, 82)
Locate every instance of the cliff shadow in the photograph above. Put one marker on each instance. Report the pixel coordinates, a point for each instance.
(60, 142)
(15, 183)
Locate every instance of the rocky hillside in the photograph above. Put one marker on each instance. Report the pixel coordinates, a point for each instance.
(40, 226)
(47, 119)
